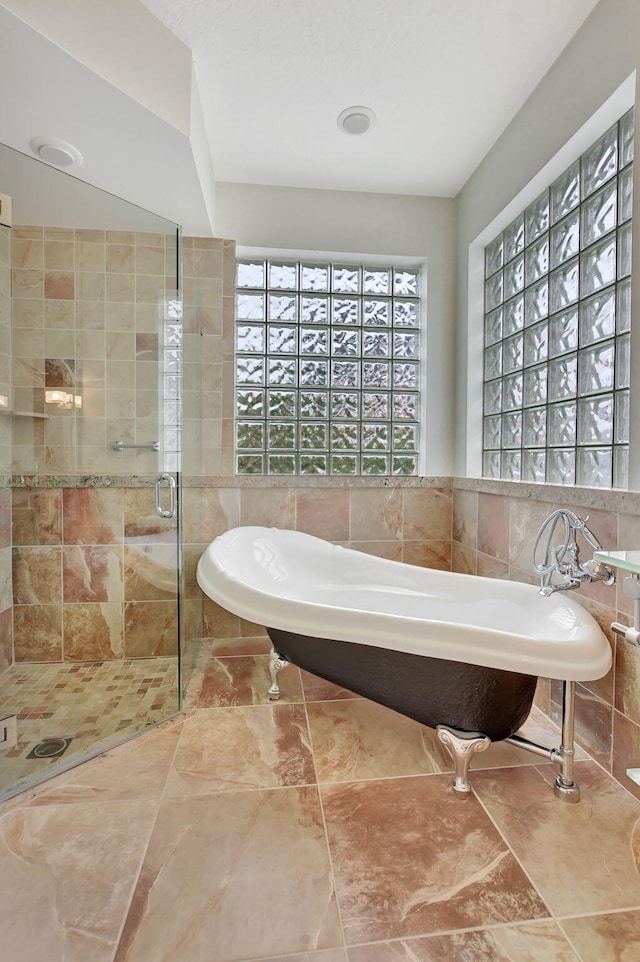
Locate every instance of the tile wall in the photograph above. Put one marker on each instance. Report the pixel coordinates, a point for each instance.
(6, 639)
(494, 526)
(94, 575)
(87, 306)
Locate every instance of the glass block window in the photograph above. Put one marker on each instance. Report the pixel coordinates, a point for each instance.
(557, 326)
(327, 369)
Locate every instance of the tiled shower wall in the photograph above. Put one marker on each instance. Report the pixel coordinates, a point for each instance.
(6, 637)
(89, 583)
(494, 526)
(87, 307)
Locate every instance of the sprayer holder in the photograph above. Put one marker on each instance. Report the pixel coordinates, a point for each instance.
(629, 561)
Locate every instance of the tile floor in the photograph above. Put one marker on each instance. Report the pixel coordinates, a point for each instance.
(319, 829)
(91, 703)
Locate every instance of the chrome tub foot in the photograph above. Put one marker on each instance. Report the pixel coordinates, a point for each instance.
(462, 746)
(276, 664)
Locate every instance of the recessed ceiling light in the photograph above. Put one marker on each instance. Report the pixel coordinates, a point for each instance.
(356, 120)
(56, 152)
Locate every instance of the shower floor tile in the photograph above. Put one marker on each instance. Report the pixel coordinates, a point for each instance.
(92, 703)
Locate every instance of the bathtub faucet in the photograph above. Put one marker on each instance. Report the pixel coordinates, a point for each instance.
(564, 558)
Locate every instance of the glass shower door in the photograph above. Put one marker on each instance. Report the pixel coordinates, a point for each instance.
(90, 446)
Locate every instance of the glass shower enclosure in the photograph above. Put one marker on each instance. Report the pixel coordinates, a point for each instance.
(90, 481)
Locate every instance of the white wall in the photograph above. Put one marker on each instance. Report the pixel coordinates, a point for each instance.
(375, 224)
(601, 56)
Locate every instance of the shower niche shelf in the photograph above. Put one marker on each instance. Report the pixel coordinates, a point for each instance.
(24, 414)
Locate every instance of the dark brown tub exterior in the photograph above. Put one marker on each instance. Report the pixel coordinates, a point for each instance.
(433, 691)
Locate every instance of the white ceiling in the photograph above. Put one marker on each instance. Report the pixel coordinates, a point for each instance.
(444, 77)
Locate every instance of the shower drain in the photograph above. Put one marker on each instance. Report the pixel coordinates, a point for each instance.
(50, 748)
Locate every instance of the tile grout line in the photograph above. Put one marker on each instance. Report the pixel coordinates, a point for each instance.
(332, 874)
(516, 858)
(136, 881)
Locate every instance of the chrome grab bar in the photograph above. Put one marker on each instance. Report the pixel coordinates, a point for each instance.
(169, 512)
(120, 446)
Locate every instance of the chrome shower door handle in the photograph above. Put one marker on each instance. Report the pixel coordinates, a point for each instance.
(169, 512)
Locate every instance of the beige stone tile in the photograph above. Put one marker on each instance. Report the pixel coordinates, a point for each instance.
(533, 942)
(428, 554)
(259, 887)
(150, 629)
(355, 739)
(626, 751)
(525, 518)
(93, 516)
(37, 632)
(605, 938)
(463, 558)
(217, 622)
(319, 689)
(493, 526)
(92, 573)
(392, 550)
(376, 514)
(245, 680)
(328, 955)
(234, 749)
(627, 680)
(273, 507)
(411, 858)
(427, 514)
(324, 514)
(257, 645)
(208, 512)
(150, 572)
(137, 769)
(37, 575)
(93, 631)
(141, 518)
(6, 638)
(554, 841)
(120, 258)
(67, 872)
(490, 567)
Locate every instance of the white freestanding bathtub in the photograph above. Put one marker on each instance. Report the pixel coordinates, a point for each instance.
(456, 652)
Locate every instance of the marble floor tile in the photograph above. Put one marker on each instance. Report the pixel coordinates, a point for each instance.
(327, 955)
(318, 689)
(129, 771)
(537, 728)
(245, 680)
(532, 942)
(234, 876)
(229, 749)
(554, 841)
(258, 645)
(359, 739)
(605, 938)
(66, 875)
(411, 859)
